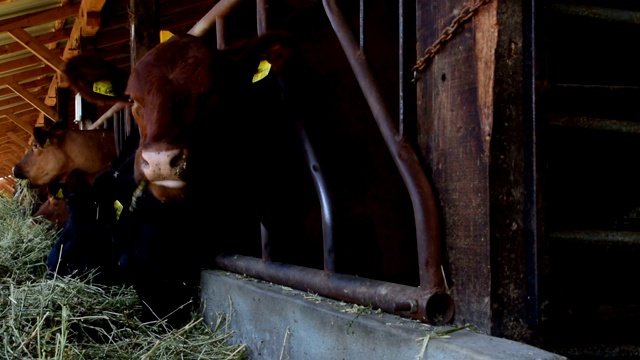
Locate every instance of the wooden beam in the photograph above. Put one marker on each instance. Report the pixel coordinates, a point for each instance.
(90, 16)
(33, 19)
(23, 62)
(41, 51)
(15, 109)
(17, 139)
(37, 103)
(39, 84)
(26, 75)
(48, 39)
(24, 124)
(72, 47)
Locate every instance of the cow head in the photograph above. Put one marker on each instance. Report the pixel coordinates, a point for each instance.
(44, 161)
(185, 97)
(56, 151)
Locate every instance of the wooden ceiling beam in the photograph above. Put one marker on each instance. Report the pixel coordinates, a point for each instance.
(23, 37)
(24, 62)
(18, 140)
(48, 39)
(90, 17)
(31, 85)
(33, 19)
(33, 100)
(24, 124)
(26, 76)
(15, 109)
(18, 100)
(90, 8)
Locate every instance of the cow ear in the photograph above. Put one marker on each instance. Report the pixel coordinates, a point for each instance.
(278, 49)
(42, 136)
(96, 79)
(268, 53)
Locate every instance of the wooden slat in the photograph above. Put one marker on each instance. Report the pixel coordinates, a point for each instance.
(90, 16)
(31, 85)
(23, 62)
(48, 39)
(33, 19)
(25, 75)
(41, 51)
(37, 103)
(24, 124)
(72, 47)
(18, 139)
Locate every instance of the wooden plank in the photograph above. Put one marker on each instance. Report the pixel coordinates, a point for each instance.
(41, 51)
(33, 19)
(48, 39)
(23, 62)
(24, 124)
(26, 76)
(454, 141)
(37, 103)
(90, 16)
(72, 47)
(35, 85)
(18, 140)
(16, 109)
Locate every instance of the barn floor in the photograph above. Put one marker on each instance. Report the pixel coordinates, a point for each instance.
(276, 322)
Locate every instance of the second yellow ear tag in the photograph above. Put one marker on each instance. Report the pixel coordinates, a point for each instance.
(117, 205)
(262, 72)
(60, 194)
(47, 144)
(103, 87)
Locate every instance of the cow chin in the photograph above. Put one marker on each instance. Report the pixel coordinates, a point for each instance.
(168, 190)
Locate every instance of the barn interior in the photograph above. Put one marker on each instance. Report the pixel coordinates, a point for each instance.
(570, 288)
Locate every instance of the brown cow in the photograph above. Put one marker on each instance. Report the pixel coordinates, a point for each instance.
(53, 210)
(179, 92)
(208, 130)
(57, 152)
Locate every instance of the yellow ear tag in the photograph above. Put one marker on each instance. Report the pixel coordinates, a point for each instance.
(118, 206)
(165, 35)
(47, 144)
(262, 72)
(59, 194)
(103, 87)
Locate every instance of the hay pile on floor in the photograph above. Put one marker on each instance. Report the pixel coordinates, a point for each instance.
(70, 319)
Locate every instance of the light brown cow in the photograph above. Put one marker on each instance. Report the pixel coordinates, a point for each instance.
(57, 152)
(54, 210)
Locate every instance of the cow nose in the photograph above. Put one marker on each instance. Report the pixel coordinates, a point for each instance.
(17, 173)
(163, 165)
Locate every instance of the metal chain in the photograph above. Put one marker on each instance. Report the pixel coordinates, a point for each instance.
(447, 33)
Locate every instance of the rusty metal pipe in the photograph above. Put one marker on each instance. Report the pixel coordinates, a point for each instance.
(418, 186)
(426, 305)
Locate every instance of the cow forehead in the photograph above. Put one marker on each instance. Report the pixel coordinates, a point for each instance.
(180, 66)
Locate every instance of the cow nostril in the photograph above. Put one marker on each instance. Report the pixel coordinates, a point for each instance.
(179, 160)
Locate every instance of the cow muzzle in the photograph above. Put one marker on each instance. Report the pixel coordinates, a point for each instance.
(164, 168)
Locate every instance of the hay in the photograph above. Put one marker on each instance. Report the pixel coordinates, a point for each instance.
(64, 318)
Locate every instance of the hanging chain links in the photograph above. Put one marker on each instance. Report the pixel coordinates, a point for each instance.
(447, 33)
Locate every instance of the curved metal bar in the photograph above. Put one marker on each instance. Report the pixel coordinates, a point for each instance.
(420, 190)
(324, 196)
